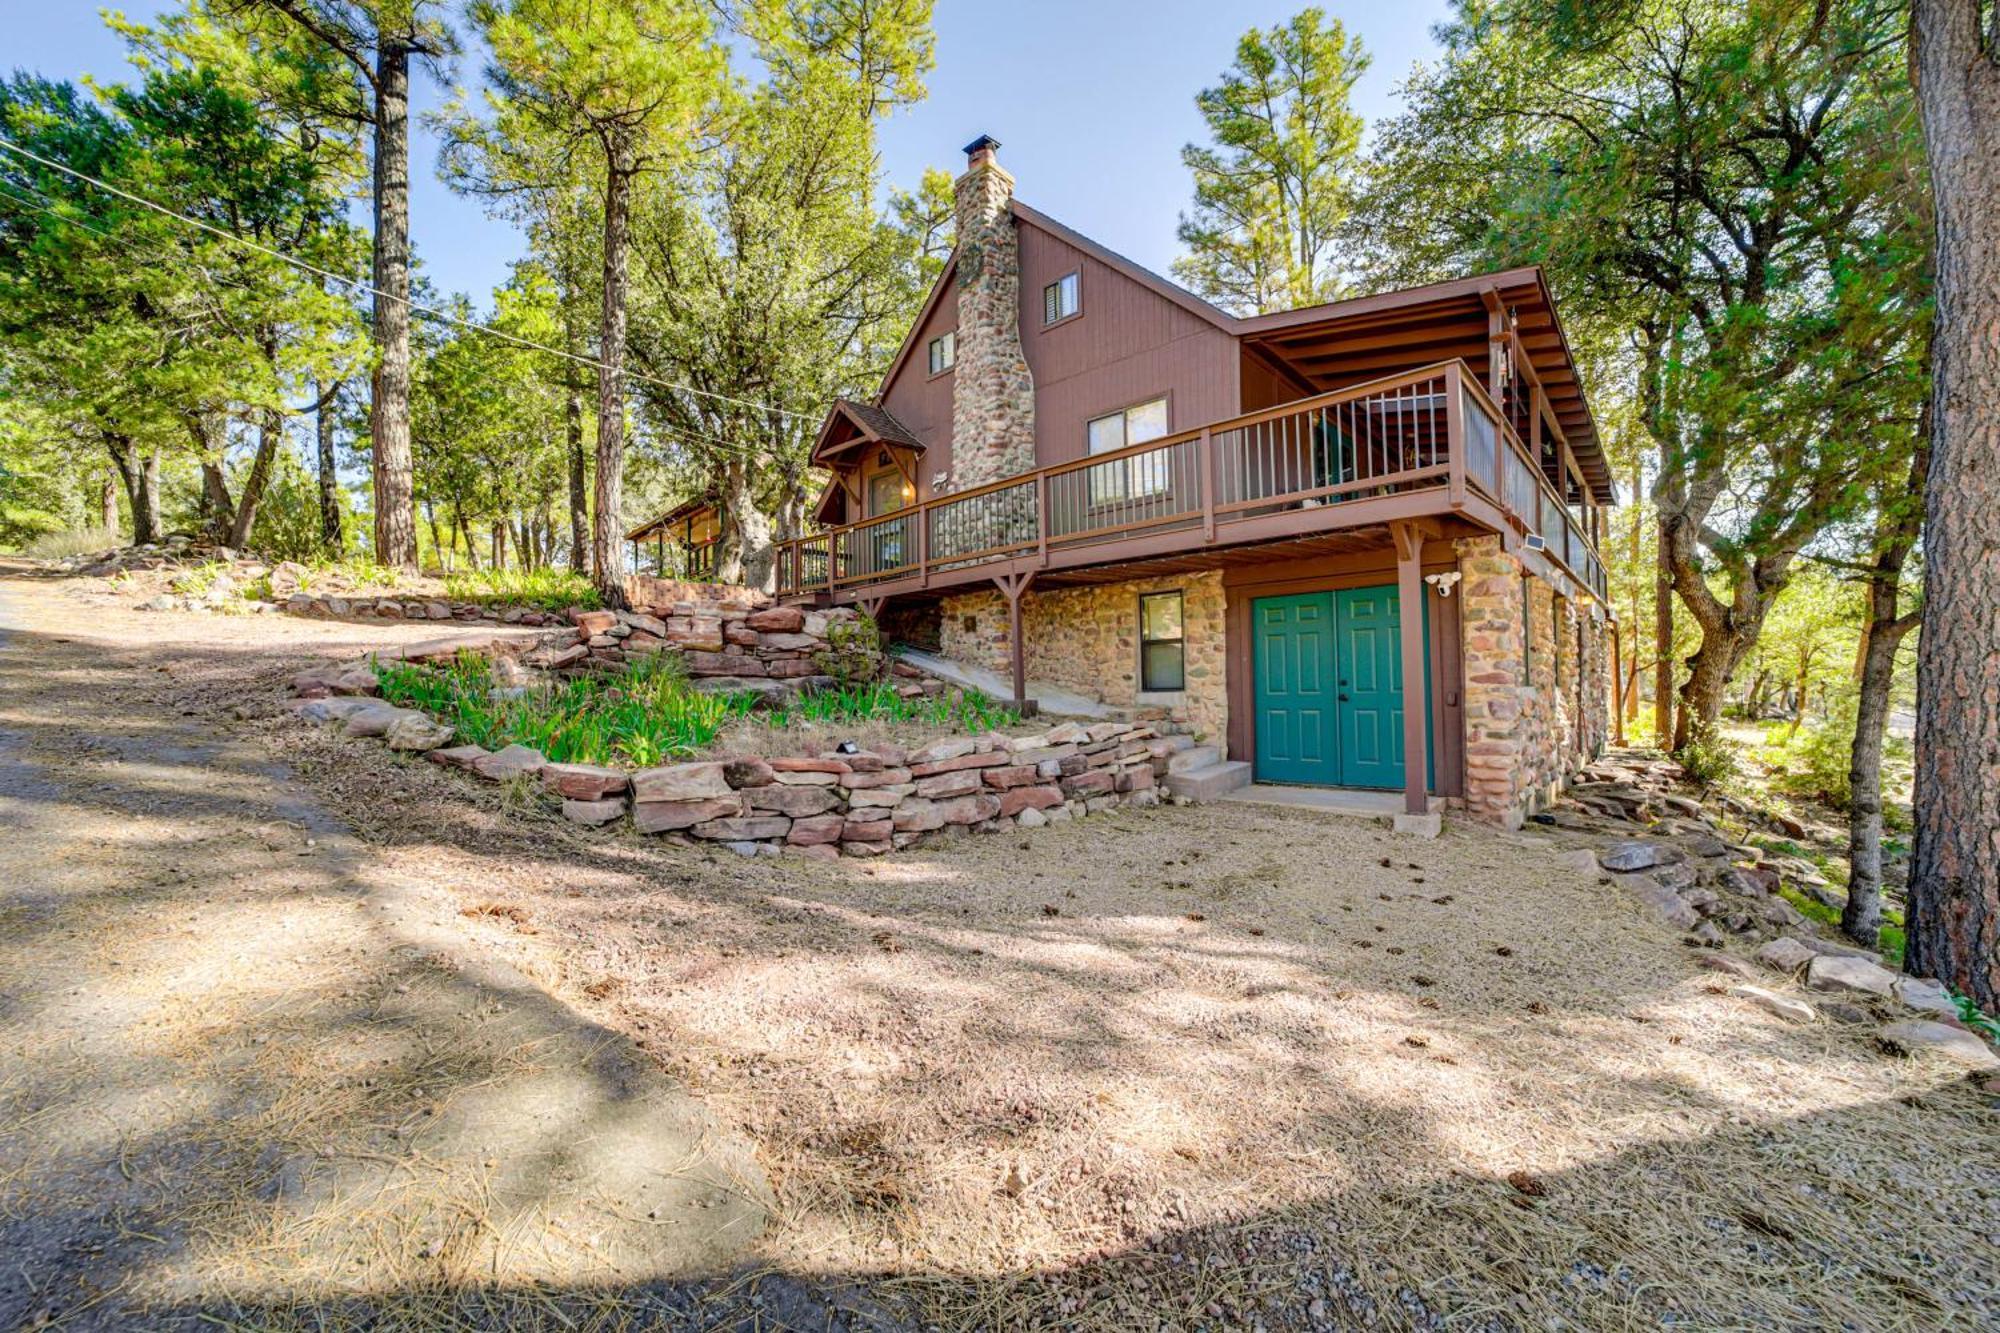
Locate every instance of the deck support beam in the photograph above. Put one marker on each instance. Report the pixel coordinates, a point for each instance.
(1409, 539)
(1012, 586)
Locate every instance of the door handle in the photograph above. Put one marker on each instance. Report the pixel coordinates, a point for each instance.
(1343, 698)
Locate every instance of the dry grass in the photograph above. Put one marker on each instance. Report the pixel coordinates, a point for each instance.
(1254, 1067)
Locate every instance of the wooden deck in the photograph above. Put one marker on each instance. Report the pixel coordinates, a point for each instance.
(1423, 444)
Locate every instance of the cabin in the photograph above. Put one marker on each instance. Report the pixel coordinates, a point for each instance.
(1351, 546)
(679, 544)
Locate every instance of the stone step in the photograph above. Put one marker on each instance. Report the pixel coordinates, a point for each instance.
(1192, 758)
(1213, 780)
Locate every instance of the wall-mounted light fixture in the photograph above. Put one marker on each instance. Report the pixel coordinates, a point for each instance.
(1533, 541)
(1444, 583)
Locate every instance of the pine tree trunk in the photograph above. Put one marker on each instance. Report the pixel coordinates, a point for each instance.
(1862, 917)
(107, 504)
(389, 408)
(579, 502)
(499, 543)
(1954, 893)
(330, 535)
(606, 549)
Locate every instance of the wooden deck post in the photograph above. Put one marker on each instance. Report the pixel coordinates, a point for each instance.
(1409, 539)
(1012, 586)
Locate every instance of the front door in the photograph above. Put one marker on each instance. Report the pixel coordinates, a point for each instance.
(1293, 643)
(1329, 688)
(1369, 678)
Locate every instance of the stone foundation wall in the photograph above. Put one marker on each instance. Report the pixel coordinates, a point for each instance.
(1535, 700)
(1087, 639)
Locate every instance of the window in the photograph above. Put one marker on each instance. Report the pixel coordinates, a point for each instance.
(944, 352)
(1162, 643)
(1062, 298)
(1132, 477)
(887, 492)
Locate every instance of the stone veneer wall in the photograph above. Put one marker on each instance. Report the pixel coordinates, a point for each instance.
(1087, 639)
(1533, 715)
(992, 391)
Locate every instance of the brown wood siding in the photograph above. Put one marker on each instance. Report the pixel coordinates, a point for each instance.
(922, 401)
(1243, 584)
(1127, 346)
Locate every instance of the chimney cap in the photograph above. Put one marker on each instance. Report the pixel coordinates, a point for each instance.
(985, 143)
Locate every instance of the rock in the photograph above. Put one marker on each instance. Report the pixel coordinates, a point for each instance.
(1580, 862)
(1733, 966)
(594, 813)
(1630, 856)
(680, 782)
(416, 733)
(1707, 846)
(333, 710)
(743, 828)
(594, 622)
(459, 756)
(1021, 800)
(747, 772)
(1926, 995)
(1710, 934)
(1957, 1044)
(816, 830)
(969, 809)
(1677, 876)
(1748, 882)
(1784, 1006)
(672, 816)
(1787, 825)
(963, 782)
(1662, 900)
(584, 782)
(1031, 818)
(917, 815)
(1827, 972)
(940, 751)
(511, 762)
(769, 693)
(376, 719)
(777, 620)
(1784, 954)
(788, 799)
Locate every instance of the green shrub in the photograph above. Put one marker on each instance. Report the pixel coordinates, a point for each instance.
(853, 654)
(543, 589)
(1813, 761)
(1708, 757)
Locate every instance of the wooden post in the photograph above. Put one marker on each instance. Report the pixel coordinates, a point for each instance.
(1409, 539)
(1454, 432)
(1012, 586)
(1205, 455)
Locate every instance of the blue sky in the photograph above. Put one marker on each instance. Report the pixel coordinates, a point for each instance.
(1091, 102)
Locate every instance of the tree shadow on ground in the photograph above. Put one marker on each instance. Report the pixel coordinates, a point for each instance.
(219, 1139)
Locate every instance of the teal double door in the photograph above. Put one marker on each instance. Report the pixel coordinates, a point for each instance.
(1329, 688)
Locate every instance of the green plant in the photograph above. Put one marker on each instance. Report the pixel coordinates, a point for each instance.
(643, 715)
(853, 654)
(198, 581)
(1707, 758)
(63, 545)
(879, 702)
(1976, 1018)
(543, 589)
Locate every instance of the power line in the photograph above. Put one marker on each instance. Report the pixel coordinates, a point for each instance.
(359, 286)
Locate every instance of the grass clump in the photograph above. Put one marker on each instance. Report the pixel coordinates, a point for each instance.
(642, 716)
(880, 703)
(64, 545)
(542, 589)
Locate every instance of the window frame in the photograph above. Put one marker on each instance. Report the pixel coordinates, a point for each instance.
(1074, 275)
(1154, 468)
(949, 340)
(1146, 685)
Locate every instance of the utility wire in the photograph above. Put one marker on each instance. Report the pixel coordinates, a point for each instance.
(359, 286)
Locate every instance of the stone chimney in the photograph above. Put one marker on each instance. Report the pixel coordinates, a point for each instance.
(992, 393)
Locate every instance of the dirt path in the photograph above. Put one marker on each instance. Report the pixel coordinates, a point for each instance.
(249, 1070)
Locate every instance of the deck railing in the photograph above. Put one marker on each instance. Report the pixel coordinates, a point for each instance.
(1388, 437)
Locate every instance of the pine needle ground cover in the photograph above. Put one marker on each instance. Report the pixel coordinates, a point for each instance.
(649, 714)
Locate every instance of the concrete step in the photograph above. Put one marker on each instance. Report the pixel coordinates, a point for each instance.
(1192, 758)
(1210, 781)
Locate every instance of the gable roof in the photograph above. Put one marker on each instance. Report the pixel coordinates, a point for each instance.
(1550, 350)
(871, 423)
(706, 500)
